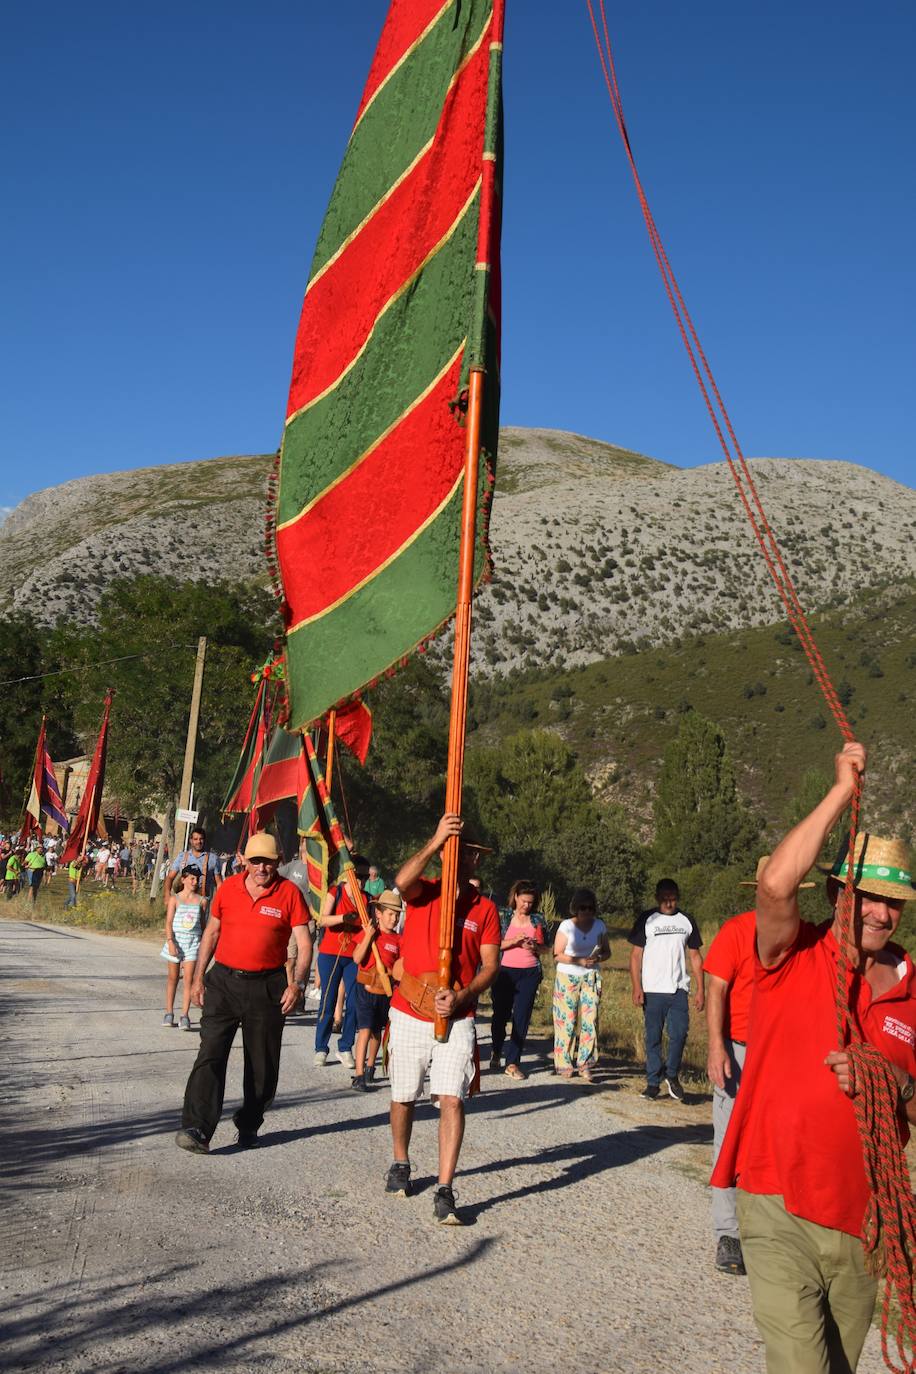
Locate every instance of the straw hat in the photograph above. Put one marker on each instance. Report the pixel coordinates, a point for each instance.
(884, 867)
(262, 846)
(761, 865)
(388, 899)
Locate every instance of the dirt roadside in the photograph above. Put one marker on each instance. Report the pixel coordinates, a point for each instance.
(588, 1247)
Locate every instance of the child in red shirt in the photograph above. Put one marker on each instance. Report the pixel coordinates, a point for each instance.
(371, 999)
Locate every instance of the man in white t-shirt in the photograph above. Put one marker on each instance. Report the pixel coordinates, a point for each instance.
(665, 941)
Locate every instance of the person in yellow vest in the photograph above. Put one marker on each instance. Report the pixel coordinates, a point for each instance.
(35, 864)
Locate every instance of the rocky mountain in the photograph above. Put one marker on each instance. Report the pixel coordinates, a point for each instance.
(596, 548)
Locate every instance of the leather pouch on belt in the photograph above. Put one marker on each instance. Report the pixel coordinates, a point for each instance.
(370, 980)
(420, 992)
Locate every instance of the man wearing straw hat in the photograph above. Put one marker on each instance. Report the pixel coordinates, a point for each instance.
(729, 969)
(792, 1145)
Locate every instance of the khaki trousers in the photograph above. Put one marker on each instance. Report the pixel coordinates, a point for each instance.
(813, 1301)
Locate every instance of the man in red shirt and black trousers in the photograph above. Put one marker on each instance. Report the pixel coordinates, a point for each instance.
(248, 932)
(413, 1049)
(792, 1144)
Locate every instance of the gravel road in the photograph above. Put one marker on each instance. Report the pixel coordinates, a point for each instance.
(588, 1245)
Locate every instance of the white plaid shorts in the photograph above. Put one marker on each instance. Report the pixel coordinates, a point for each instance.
(413, 1049)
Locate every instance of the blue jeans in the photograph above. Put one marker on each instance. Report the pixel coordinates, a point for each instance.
(331, 968)
(71, 894)
(513, 995)
(665, 1010)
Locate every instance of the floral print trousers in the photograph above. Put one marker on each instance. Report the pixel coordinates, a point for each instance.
(575, 1000)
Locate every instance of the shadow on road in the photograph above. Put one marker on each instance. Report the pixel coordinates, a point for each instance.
(171, 1324)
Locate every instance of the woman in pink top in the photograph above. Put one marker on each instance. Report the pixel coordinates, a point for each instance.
(524, 933)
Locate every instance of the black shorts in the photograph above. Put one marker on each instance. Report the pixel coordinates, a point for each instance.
(371, 1010)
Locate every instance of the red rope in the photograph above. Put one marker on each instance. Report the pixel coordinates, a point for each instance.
(889, 1233)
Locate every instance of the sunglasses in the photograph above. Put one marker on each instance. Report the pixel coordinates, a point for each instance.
(261, 863)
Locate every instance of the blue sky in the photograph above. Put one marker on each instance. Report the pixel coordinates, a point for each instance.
(170, 166)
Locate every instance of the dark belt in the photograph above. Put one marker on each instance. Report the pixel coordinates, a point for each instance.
(252, 973)
(742, 1043)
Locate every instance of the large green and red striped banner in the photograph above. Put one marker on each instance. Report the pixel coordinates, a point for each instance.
(402, 301)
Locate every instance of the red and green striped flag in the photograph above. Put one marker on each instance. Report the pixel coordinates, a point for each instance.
(402, 302)
(326, 848)
(244, 785)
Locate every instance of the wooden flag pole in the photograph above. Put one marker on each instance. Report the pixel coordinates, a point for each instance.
(458, 715)
(85, 843)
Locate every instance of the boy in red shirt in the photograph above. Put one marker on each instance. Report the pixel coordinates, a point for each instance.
(371, 999)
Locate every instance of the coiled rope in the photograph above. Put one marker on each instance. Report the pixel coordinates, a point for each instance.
(889, 1228)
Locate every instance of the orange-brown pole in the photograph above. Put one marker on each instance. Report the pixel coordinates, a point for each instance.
(329, 762)
(454, 778)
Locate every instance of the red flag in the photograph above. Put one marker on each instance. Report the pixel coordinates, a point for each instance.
(87, 818)
(353, 727)
(44, 796)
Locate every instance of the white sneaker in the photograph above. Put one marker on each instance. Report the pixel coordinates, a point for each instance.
(313, 995)
(347, 1059)
(321, 1058)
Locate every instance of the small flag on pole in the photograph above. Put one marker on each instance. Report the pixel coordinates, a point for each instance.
(89, 817)
(44, 796)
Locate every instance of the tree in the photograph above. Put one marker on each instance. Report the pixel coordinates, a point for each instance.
(699, 817)
(535, 803)
(150, 626)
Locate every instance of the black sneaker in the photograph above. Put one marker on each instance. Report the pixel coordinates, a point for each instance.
(370, 1073)
(444, 1207)
(651, 1090)
(358, 1083)
(729, 1259)
(495, 1063)
(247, 1140)
(398, 1180)
(193, 1139)
(674, 1089)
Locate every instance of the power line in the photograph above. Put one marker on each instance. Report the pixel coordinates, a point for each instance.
(103, 663)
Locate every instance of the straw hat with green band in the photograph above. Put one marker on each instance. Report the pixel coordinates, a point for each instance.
(884, 867)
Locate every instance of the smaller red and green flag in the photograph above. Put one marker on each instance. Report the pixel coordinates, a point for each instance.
(242, 789)
(353, 727)
(327, 855)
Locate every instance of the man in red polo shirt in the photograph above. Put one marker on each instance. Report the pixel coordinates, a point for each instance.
(414, 1050)
(792, 1145)
(248, 933)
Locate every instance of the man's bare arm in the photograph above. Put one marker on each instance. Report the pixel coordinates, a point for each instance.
(696, 968)
(777, 891)
(636, 975)
(718, 1062)
(407, 879)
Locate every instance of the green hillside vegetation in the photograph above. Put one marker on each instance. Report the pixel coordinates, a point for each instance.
(618, 715)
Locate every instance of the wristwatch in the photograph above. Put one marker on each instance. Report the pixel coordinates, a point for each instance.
(908, 1089)
(301, 987)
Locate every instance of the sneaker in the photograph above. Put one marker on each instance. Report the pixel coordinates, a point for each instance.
(495, 1063)
(168, 1019)
(444, 1207)
(358, 1083)
(193, 1139)
(398, 1180)
(651, 1090)
(247, 1140)
(346, 1058)
(370, 1073)
(674, 1089)
(729, 1259)
(184, 1023)
(321, 1058)
(313, 995)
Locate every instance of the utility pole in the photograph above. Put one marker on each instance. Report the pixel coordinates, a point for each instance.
(187, 772)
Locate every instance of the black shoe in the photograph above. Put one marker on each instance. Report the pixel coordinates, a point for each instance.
(729, 1259)
(494, 1063)
(398, 1180)
(248, 1140)
(370, 1073)
(674, 1089)
(358, 1082)
(193, 1139)
(651, 1090)
(444, 1207)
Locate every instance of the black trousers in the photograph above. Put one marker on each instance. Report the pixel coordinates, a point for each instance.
(513, 995)
(230, 1002)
